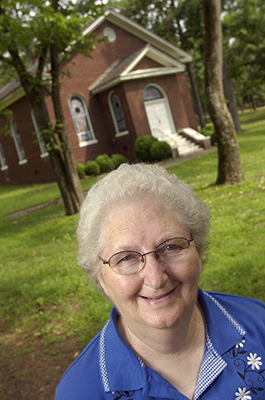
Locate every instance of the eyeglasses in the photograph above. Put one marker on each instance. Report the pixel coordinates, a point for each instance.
(167, 253)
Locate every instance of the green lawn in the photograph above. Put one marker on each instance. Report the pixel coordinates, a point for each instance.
(43, 293)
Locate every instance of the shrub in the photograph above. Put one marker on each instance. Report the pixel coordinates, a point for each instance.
(208, 130)
(92, 168)
(118, 159)
(105, 163)
(142, 147)
(160, 151)
(80, 170)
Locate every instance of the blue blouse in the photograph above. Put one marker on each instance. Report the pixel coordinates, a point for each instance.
(232, 368)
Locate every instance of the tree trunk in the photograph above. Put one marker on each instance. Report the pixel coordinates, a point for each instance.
(229, 164)
(55, 154)
(72, 195)
(232, 103)
(72, 179)
(196, 97)
(253, 102)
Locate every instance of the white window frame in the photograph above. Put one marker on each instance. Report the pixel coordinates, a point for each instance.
(82, 143)
(22, 159)
(3, 162)
(43, 150)
(118, 132)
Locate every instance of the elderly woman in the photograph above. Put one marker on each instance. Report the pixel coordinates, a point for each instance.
(142, 234)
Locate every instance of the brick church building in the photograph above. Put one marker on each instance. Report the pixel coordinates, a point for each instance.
(133, 85)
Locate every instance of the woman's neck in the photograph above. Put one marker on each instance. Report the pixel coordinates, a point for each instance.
(175, 353)
(164, 342)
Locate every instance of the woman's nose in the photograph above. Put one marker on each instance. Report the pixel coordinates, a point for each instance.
(153, 272)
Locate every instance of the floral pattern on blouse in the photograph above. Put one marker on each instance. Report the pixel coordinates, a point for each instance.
(249, 370)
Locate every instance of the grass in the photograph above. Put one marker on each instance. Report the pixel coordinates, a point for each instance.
(44, 294)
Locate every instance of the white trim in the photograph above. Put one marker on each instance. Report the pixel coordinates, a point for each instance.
(141, 32)
(88, 143)
(143, 73)
(43, 150)
(22, 162)
(20, 152)
(93, 140)
(3, 161)
(118, 133)
(155, 55)
(44, 155)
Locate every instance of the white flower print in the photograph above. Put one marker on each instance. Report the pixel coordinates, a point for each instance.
(254, 361)
(242, 394)
(240, 343)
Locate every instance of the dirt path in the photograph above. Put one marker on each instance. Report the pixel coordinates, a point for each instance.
(31, 371)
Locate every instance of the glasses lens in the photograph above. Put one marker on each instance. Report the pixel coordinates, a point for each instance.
(173, 250)
(125, 262)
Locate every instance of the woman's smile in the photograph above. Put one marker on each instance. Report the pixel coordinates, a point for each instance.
(159, 298)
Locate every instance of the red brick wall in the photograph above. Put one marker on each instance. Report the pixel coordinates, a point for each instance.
(178, 96)
(37, 169)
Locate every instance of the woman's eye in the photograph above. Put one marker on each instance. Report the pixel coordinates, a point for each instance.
(127, 258)
(172, 247)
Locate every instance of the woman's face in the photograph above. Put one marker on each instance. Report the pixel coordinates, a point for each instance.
(155, 297)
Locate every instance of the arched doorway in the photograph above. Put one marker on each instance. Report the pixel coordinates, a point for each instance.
(158, 112)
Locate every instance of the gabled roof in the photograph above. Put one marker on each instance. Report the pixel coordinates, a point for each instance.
(13, 91)
(170, 57)
(126, 69)
(141, 32)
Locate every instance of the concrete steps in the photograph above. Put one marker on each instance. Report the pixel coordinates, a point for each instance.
(179, 144)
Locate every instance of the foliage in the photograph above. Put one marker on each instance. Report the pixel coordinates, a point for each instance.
(183, 25)
(36, 38)
(80, 170)
(105, 163)
(118, 159)
(208, 130)
(142, 147)
(160, 151)
(244, 47)
(92, 168)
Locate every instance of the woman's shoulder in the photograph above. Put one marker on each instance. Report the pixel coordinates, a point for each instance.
(84, 370)
(239, 305)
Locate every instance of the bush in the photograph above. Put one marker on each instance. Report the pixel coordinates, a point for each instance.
(118, 159)
(105, 163)
(208, 130)
(160, 151)
(142, 147)
(92, 168)
(80, 170)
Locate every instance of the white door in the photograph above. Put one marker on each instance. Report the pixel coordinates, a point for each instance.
(159, 117)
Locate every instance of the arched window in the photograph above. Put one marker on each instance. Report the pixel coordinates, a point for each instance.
(81, 120)
(43, 150)
(117, 114)
(152, 93)
(2, 159)
(22, 159)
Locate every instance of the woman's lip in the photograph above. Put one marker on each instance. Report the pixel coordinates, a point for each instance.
(161, 296)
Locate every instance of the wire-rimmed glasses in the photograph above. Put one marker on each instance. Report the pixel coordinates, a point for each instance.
(167, 253)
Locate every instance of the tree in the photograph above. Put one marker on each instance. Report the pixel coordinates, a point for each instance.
(51, 31)
(229, 164)
(244, 46)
